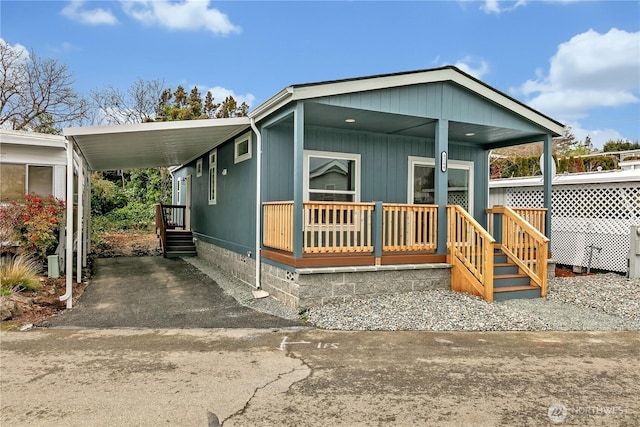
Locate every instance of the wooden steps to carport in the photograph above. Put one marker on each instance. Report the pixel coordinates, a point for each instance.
(179, 243)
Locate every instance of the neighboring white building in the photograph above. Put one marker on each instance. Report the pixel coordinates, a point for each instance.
(592, 213)
(32, 163)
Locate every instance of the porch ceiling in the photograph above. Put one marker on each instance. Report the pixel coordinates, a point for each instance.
(324, 115)
(152, 144)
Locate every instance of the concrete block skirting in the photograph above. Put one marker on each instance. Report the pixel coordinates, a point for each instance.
(308, 287)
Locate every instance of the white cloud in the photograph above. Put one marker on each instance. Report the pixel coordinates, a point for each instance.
(598, 136)
(189, 15)
(75, 11)
(589, 71)
(496, 6)
(21, 51)
(476, 67)
(220, 93)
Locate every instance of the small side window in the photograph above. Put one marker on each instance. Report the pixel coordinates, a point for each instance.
(242, 148)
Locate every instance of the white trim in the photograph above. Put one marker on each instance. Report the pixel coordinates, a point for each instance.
(452, 164)
(156, 126)
(18, 137)
(237, 158)
(618, 175)
(336, 156)
(213, 169)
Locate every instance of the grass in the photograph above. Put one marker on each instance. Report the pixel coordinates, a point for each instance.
(19, 273)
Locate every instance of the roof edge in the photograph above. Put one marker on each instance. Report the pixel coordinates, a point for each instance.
(381, 81)
(155, 126)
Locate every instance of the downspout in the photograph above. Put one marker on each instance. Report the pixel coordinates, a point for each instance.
(69, 228)
(258, 199)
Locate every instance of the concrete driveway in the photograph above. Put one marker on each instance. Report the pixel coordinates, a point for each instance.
(154, 292)
(311, 377)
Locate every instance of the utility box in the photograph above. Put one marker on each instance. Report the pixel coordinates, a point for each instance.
(634, 253)
(53, 266)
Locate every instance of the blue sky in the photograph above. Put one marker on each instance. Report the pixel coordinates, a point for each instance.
(576, 61)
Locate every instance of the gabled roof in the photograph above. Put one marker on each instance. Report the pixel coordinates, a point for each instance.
(384, 81)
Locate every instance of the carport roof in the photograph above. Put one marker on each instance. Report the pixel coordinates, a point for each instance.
(152, 144)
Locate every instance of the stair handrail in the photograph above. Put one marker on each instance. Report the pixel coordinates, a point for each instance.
(525, 245)
(472, 246)
(161, 227)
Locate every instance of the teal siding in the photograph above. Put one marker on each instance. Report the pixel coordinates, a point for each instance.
(384, 162)
(433, 100)
(230, 223)
(277, 161)
(416, 100)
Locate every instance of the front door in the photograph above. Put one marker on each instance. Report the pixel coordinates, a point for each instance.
(422, 182)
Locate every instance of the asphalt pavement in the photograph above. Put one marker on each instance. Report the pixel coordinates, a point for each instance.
(156, 292)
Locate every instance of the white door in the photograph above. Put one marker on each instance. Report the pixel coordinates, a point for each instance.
(422, 182)
(186, 193)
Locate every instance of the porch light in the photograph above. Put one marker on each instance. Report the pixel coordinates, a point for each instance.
(470, 134)
(350, 120)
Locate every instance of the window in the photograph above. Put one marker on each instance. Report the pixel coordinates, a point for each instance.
(242, 148)
(213, 166)
(178, 189)
(422, 182)
(199, 167)
(332, 176)
(17, 180)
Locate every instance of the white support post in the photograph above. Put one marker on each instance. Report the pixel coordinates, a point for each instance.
(68, 296)
(80, 224)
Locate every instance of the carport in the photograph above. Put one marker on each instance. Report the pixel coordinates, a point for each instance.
(131, 146)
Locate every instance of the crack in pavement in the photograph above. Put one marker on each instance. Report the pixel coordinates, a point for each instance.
(281, 384)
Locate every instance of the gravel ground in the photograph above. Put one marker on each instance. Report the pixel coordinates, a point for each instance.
(601, 302)
(598, 302)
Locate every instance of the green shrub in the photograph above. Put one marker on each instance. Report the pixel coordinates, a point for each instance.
(19, 272)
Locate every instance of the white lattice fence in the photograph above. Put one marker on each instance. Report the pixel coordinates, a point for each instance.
(583, 216)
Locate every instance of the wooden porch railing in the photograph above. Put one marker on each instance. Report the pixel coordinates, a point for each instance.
(525, 245)
(335, 227)
(470, 252)
(168, 217)
(534, 216)
(409, 227)
(278, 225)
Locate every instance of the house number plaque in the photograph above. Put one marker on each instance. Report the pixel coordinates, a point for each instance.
(443, 161)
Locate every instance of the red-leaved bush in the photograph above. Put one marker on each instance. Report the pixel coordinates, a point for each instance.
(33, 222)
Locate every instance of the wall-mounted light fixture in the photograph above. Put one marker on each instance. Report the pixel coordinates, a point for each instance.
(224, 171)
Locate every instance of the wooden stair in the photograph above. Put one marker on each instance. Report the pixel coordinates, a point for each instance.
(508, 282)
(179, 243)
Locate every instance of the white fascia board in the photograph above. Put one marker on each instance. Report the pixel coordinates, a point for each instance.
(508, 103)
(31, 138)
(372, 83)
(155, 126)
(272, 104)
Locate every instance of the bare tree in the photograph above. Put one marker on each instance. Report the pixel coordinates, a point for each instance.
(138, 104)
(34, 91)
